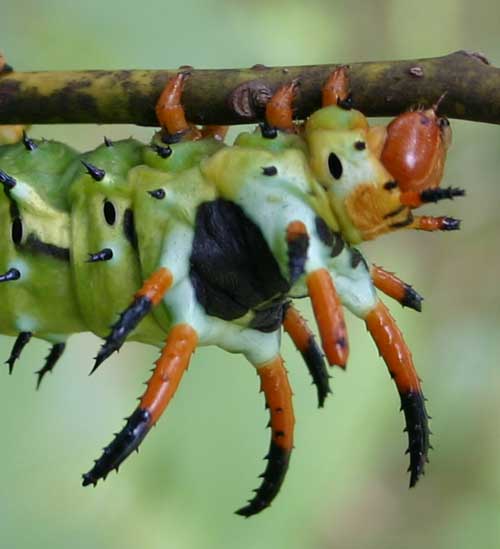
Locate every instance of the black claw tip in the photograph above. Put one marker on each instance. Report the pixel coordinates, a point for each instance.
(412, 299)
(108, 142)
(104, 255)
(96, 173)
(450, 224)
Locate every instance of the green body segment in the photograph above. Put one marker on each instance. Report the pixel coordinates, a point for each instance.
(43, 300)
(70, 209)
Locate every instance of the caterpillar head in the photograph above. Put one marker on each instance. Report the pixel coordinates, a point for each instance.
(361, 191)
(375, 176)
(414, 148)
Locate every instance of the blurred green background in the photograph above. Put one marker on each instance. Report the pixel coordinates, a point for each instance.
(347, 485)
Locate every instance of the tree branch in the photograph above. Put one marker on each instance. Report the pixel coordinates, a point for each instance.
(237, 96)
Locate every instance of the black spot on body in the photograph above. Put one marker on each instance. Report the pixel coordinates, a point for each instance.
(335, 166)
(232, 268)
(129, 228)
(357, 258)
(324, 232)
(35, 245)
(109, 212)
(17, 231)
(329, 237)
(270, 170)
(390, 185)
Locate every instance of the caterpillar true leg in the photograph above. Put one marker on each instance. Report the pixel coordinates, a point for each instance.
(145, 299)
(55, 353)
(396, 288)
(170, 367)
(429, 223)
(329, 316)
(304, 340)
(21, 341)
(397, 356)
(278, 395)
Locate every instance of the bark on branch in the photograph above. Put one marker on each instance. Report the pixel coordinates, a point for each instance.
(237, 96)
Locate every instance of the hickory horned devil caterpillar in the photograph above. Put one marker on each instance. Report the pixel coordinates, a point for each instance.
(188, 241)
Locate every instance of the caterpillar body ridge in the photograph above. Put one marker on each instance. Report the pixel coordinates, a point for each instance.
(188, 241)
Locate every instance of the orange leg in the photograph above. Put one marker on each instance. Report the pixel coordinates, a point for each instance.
(170, 112)
(173, 362)
(151, 293)
(304, 340)
(394, 287)
(279, 111)
(429, 223)
(278, 394)
(329, 316)
(336, 90)
(397, 356)
(414, 199)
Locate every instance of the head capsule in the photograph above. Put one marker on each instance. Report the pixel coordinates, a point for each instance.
(362, 193)
(415, 149)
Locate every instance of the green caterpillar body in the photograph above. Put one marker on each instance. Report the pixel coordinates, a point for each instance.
(64, 215)
(81, 233)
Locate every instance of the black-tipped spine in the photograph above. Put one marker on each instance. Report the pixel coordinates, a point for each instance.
(437, 194)
(316, 365)
(417, 427)
(7, 181)
(96, 173)
(56, 351)
(127, 321)
(272, 479)
(450, 224)
(125, 442)
(104, 255)
(21, 341)
(412, 298)
(11, 274)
